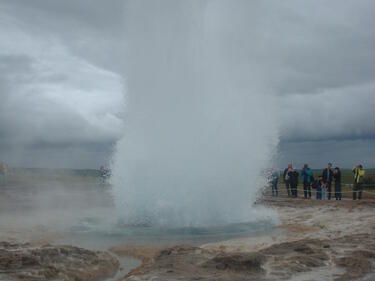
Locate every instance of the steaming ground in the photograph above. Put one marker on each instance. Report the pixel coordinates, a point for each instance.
(51, 201)
(70, 207)
(315, 241)
(71, 204)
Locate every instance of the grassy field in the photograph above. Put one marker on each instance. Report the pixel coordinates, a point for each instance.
(37, 175)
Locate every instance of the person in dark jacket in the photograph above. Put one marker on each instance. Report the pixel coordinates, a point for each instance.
(337, 177)
(327, 178)
(306, 174)
(293, 178)
(286, 178)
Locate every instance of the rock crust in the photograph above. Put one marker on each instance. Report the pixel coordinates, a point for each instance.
(54, 263)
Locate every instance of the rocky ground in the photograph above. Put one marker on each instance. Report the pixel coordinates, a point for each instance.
(315, 240)
(47, 262)
(318, 241)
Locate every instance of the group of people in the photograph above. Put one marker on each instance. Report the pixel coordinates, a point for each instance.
(322, 185)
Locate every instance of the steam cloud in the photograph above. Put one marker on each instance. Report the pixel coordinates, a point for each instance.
(200, 126)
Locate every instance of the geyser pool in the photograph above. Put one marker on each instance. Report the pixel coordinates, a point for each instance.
(90, 232)
(200, 125)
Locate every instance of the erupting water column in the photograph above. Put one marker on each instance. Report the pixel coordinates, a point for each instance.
(200, 127)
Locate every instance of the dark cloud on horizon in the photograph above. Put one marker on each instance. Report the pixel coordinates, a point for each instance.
(343, 153)
(316, 58)
(68, 155)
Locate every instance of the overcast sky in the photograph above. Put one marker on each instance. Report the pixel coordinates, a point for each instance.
(63, 77)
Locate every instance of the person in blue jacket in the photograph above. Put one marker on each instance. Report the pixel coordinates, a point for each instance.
(306, 174)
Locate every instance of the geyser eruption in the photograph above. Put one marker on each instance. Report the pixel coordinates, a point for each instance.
(200, 126)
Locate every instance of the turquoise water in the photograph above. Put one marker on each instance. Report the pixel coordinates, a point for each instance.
(96, 234)
(94, 229)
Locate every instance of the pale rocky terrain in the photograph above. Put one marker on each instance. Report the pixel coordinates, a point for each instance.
(48, 262)
(317, 241)
(314, 240)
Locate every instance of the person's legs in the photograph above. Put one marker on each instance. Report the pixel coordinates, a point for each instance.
(318, 193)
(329, 190)
(276, 191)
(309, 190)
(305, 190)
(354, 191)
(323, 194)
(287, 186)
(273, 189)
(101, 180)
(360, 189)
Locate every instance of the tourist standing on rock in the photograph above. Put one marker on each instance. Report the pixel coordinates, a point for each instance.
(337, 177)
(359, 176)
(306, 174)
(274, 181)
(293, 178)
(287, 179)
(103, 175)
(327, 177)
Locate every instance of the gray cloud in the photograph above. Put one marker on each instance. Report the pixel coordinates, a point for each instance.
(51, 96)
(315, 57)
(343, 153)
(333, 114)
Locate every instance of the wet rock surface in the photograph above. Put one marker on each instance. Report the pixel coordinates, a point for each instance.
(251, 262)
(27, 262)
(195, 263)
(333, 241)
(281, 261)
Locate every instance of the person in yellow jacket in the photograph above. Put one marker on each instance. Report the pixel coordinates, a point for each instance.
(359, 175)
